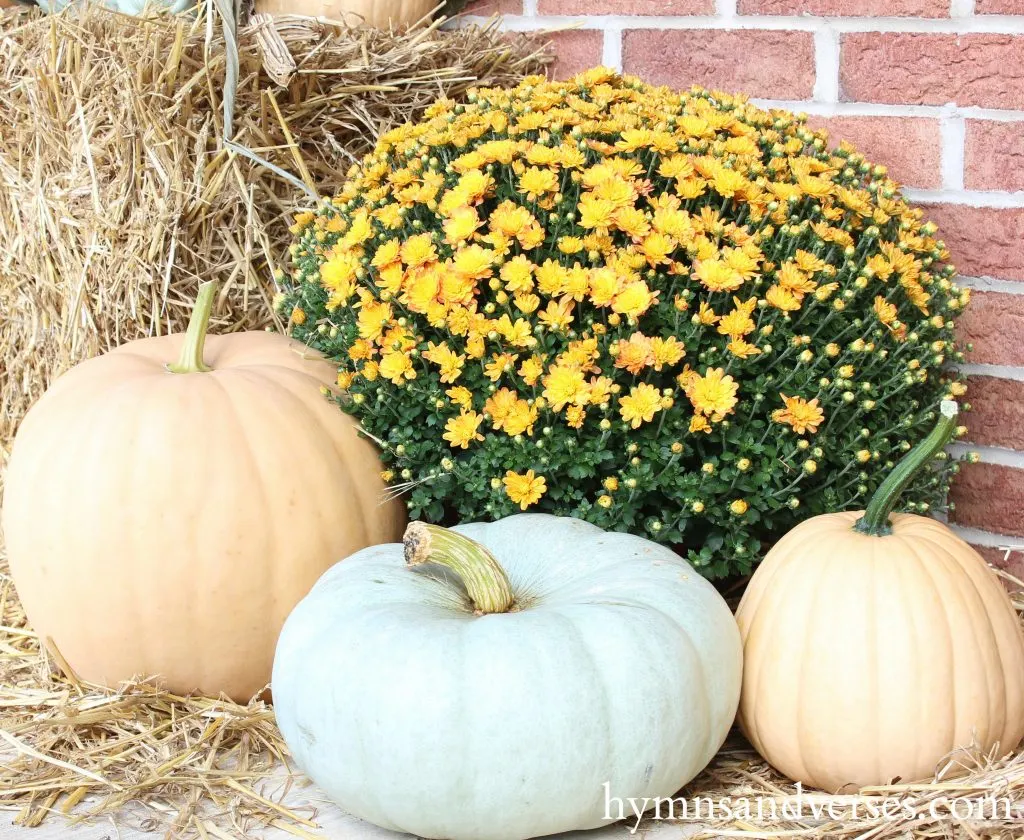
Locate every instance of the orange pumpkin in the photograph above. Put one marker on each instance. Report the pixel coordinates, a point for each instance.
(163, 520)
(875, 644)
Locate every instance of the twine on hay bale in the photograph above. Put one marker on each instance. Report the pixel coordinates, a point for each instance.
(118, 195)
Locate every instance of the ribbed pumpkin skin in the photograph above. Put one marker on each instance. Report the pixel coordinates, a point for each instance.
(352, 12)
(868, 658)
(162, 523)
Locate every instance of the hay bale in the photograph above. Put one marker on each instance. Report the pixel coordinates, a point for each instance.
(118, 194)
(117, 197)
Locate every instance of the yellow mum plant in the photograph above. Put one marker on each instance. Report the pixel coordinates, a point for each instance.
(669, 313)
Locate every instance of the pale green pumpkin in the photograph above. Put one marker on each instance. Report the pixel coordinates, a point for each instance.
(415, 702)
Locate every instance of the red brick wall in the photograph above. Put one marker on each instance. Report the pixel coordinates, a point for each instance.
(934, 89)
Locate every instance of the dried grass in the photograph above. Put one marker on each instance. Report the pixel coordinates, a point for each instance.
(187, 766)
(921, 811)
(196, 767)
(118, 195)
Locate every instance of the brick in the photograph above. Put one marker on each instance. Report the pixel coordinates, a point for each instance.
(990, 497)
(999, 7)
(847, 8)
(983, 241)
(994, 155)
(996, 417)
(911, 147)
(486, 8)
(576, 50)
(994, 323)
(764, 63)
(932, 69)
(626, 7)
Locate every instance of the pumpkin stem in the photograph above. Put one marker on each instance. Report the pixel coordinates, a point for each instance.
(191, 358)
(479, 570)
(875, 520)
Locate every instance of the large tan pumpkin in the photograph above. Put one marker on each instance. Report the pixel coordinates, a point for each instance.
(353, 12)
(163, 523)
(875, 645)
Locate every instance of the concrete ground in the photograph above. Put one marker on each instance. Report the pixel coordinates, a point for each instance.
(334, 825)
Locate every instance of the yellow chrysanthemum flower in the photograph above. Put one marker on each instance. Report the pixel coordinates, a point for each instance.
(634, 299)
(783, 299)
(742, 349)
(596, 213)
(535, 183)
(373, 318)
(633, 222)
(526, 489)
(531, 370)
(473, 262)
(605, 284)
(713, 394)
(706, 315)
(460, 396)
(396, 367)
(885, 311)
(418, 250)
(499, 404)
(499, 365)
(736, 323)
(521, 418)
(460, 225)
(728, 182)
(666, 351)
(448, 361)
(574, 416)
(640, 405)
(460, 431)
(558, 315)
(800, 414)
(517, 274)
(526, 303)
(570, 244)
(635, 354)
(564, 385)
(718, 276)
(699, 423)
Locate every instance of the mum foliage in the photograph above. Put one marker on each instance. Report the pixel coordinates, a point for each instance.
(667, 313)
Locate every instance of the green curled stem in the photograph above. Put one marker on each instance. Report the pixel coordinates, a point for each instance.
(875, 521)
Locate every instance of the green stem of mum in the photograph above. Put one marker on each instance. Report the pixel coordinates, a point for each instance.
(875, 520)
(479, 570)
(191, 358)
